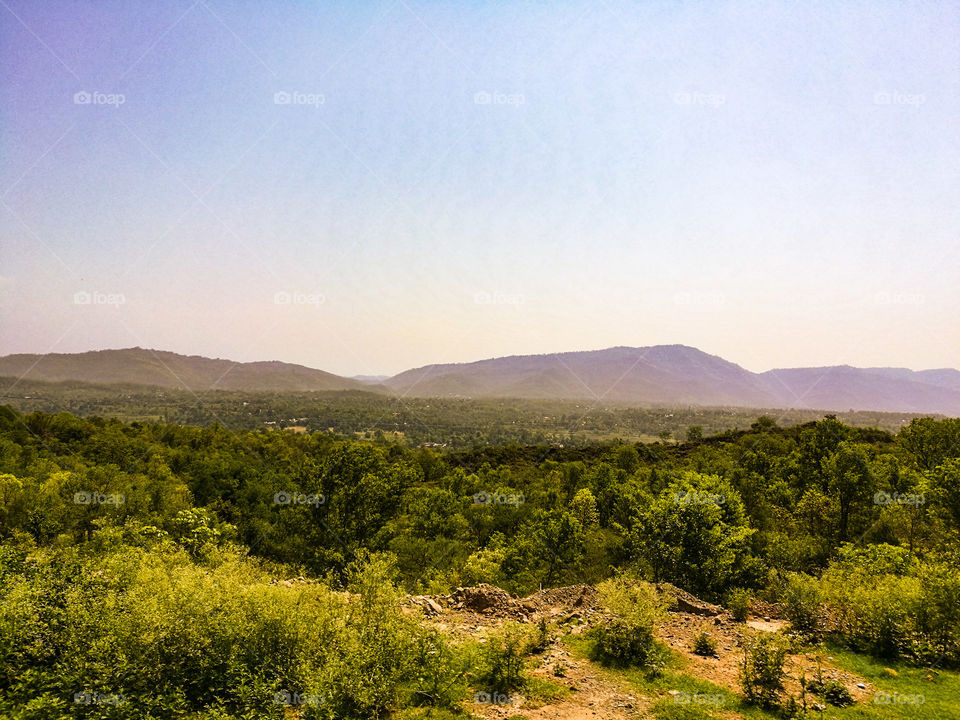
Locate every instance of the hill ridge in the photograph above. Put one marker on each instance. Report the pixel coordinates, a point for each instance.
(674, 374)
(163, 368)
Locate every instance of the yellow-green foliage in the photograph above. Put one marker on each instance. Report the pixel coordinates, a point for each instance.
(157, 634)
(625, 636)
(889, 605)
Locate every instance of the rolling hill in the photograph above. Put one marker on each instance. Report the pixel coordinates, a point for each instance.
(137, 366)
(682, 375)
(660, 375)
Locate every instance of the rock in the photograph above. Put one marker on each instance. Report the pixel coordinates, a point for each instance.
(685, 602)
(861, 686)
(483, 598)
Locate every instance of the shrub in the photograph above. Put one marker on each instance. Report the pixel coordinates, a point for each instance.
(738, 604)
(888, 604)
(802, 600)
(502, 659)
(704, 644)
(619, 643)
(175, 638)
(837, 694)
(761, 671)
(541, 637)
(875, 610)
(832, 691)
(440, 677)
(626, 635)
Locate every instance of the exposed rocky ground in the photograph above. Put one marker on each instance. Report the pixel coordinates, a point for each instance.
(474, 612)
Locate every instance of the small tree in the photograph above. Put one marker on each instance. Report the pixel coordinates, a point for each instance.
(761, 671)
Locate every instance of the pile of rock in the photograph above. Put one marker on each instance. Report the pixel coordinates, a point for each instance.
(682, 601)
(430, 607)
(571, 597)
(485, 599)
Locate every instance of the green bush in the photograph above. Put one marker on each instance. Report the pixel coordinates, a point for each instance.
(502, 659)
(626, 635)
(761, 670)
(704, 644)
(887, 604)
(875, 600)
(159, 634)
(738, 604)
(802, 600)
(832, 691)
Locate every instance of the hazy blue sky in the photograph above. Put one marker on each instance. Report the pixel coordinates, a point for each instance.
(774, 182)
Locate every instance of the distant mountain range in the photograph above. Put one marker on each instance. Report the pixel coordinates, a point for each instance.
(681, 375)
(657, 375)
(137, 366)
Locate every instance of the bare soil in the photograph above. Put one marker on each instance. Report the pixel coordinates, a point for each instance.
(593, 694)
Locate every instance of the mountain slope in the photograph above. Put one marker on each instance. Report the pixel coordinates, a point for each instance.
(882, 389)
(166, 369)
(681, 375)
(659, 374)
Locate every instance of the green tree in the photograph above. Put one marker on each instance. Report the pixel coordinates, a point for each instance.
(584, 508)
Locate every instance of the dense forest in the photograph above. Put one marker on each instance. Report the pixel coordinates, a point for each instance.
(139, 560)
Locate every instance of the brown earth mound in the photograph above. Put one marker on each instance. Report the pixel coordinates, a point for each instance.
(483, 598)
(571, 597)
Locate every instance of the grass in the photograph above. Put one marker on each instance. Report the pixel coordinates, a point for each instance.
(432, 714)
(540, 691)
(694, 698)
(935, 699)
(702, 700)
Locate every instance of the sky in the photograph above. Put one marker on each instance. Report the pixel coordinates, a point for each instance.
(369, 187)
